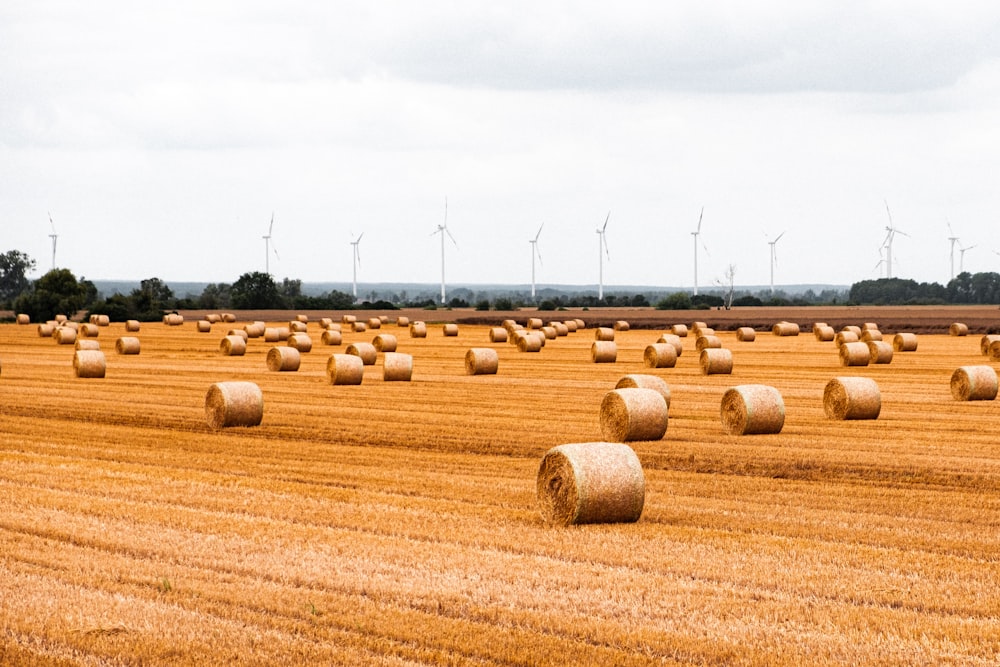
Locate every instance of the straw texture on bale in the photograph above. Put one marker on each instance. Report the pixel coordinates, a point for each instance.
(301, 342)
(302, 317)
(659, 355)
(707, 342)
(534, 323)
(974, 383)
(561, 329)
(645, 381)
(580, 324)
(238, 332)
(450, 329)
(852, 398)
(325, 322)
(824, 333)
(591, 482)
(233, 346)
(204, 326)
(271, 335)
(365, 351)
(746, 334)
(385, 343)
(549, 332)
(255, 329)
(697, 326)
(103, 321)
(603, 352)
(349, 319)
(418, 330)
(570, 326)
(705, 331)
(65, 335)
(128, 345)
(334, 326)
(332, 337)
(498, 335)
(879, 352)
(752, 409)
(283, 358)
(986, 341)
(785, 329)
(175, 319)
(528, 341)
(72, 325)
(672, 339)
(384, 319)
(994, 351)
(716, 361)
(230, 404)
(295, 326)
(845, 337)
(869, 326)
(958, 329)
(374, 323)
(904, 342)
(45, 330)
(397, 367)
(510, 326)
(482, 361)
(854, 354)
(402, 321)
(89, 330)
(345, 369)
(679, 330)
(856, 330)
(23, 318)
(87, 344)
(869, 335)
(228, 318)
(604, 333)
(284, 333)
(214, 318)
(621, 325)
(633, 413)
(60, 318)
(89, 364)
(359, 326)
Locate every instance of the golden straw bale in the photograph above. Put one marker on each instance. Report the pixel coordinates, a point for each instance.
(660, 355)
(46, 330)
(534, 323)
(65, 335)
(604, 333)
(672, 339)
(752, 409)
(603, 352)
(238, 332)
(334, 326)
(228, 318)
(255, 329)
(879, 352)
(214, 318)
(332, 337)
(284, 333)
(706, 342)
(384, 319)
(204, 326)
(621, 325)
(89, 364)
(549, 332)
(785, 329)
(385, 343)
(869, 335)
(824, 333)
(869, 326)
(271, 335)
(844, 337)
(402, 321)
(366, 351)
(994, 351)
(23, 318)
(904, 342)
(349, 319)
(592, 482)
(89, 330)
(103, 321)
(571, 326)
(325, 322)
(645, 381)
(302, 317)
(127, 345)
(345, 369)
(295, 326)
(418, 329)
(301, 342)
(561, 328)
(397, 367)
(87, 344)
(854, 354)
(817, 325)
(716, 361)
(529, 341)
(481, 361)
(374, 323)
(92, 319)
(679, 330)
(633, 413)
(856, 330)
(974, 383)
(705, 331)
(986, 341)
(60, 318)
(852, 398)
(450, 329)
(283, 358)
(72, 325)
(230, 404)
(958, 329)
(498, 335)
(359, 326)
(173, 319)
(233, 346)
(510, 326)
(746, 334)
(697, 326)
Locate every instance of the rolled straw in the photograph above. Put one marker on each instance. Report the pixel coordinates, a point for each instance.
(397, 367)
(534, 323)
(234, 404)
(645, 381)
(402, 321)
(716, 361)
(879, 352)
(621, 325)
(203, 326)
(854, 354)
(418, 330)
(869, 335)
(529, 341)
(824, 333)
(385, 343)
(498, 335)
(593, 482)
(603, 352)
(904, 342)
(986, 341)
(481, 361)
(365, 351)
(709, 341)
(958, 329)
(331, 337)
(974, 383)
(679, 330)
(852, 398)
(751, 409)
(89, 364)
(746, 334)
(633, 413)
(65, 336)
(345, 369)
(449, 329)
(785, 329)
(604, 333)
(660, 355)
(132, 326)
(128, 345)
(672, 339)
(283, 358)
(233, 346)
(87, 344)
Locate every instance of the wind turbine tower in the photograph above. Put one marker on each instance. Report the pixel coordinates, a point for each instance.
(442, 230)
(954, 240)
(268, 247)
(774, 257)
(887, 243)
(602, 250)
(695, 234)
(961, 256)
(54, 237)
(535, 253)
(357, 263)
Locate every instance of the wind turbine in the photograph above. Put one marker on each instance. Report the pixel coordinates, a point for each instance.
(881, 262)
(442, 230)
(268, 247)
(357, 262)
(54, 237)
(602, 250)
(695, 234)
(887, 243)
(534, 253)
(954, 240)
(774, 257)
(961, 256)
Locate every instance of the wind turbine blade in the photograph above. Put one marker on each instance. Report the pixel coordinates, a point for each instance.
(539, 232)
(271, 227)
(950, 230)
(899, 231)
(357, 253)
(275, 250)
(779, 237)
(539, 253)
(971, 246)
(52, 223)
(606, 222)
(604, 242)
(448, 231)
(359, 237)
(888, 212)
(700, 216)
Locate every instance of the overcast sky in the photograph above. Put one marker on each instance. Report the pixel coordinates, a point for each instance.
(161, 136)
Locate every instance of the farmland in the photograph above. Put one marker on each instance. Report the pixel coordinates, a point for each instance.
(396, 523)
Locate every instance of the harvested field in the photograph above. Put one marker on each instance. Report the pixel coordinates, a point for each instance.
(397, 523)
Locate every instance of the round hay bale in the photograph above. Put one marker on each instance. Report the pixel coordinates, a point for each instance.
(359, 327)
(498, 335)
(854, 354)
(334, 326)
(785, 329)
(175, 319)
(283, 334)
(365, 351)
(230, 404)
(325, 322)
(534, 323)
(450, 329)
(697, 326)
(89, 330)
(672, 339)
(716, 361)
(679, 330)
(659, 355)
(283, 358)
(570, 326)
(870, 335)
(132, 326)
(510, 325)
(603, 352)
(958, 329)
(65, 335)
(204, 326)
(418, 330)
(345, 369)
(879, 352)
(214, 318)
(710, 341)
(705, 331)
(127, 345)
(561, 329)
(296, 326)
(529, 341)
(102, 321)
(75, 326)
(271, 335)
(549, 332)
(845, 337)
(332, 337)
(580, 324)
(348, 319)
(301, 342)
(302, 317)
(374, 323)
(23, 318)
(481, 361)
(46, 330)
(824, 333)
(856, 330)
(384, 319)
(645, 381)
(620, 325)
(397, 367)
(604, 333)
(86, 344)
(60, 318)
(986, 341)
(752, 409)
(592, 482)
(238, 332)
(746, 334)
(385, 343)
(228, 318)
(633, 413)
(994, 351)
(974, 383)
(255, 329)
(817, 325)
(89, 364)
(402, 321)
(868, 326)
(852, 398)
(233, 346)
(904, 342)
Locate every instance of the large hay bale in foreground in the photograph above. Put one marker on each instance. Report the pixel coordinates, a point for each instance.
(87, 344)
(645, 381)
(679, 330)
(332, 337)
(230, 404)
(672, 339)
(365, 351)
(481, 361)
(986, 341)
(854, 354)
(128, 345)
(660, 355)
(705, 342)
(716, 361)
(397, 367)
(498, 335)
(603, 352)
(974, 383)
(89, 364)
(604, 333)
(418, 329)
(301, 342)
(904, 342)
(785, 329)
(752, 409)
(633, 413)
(65, 336)
(746, 334)
(345, 369)
(283, 358)
(958, 329)
(233, 346)
(592, 482)
(879, 352)
(852, 398)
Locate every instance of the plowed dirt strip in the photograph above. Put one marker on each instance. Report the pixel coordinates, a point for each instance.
(395, 523)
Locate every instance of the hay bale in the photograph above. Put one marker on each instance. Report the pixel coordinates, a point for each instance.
(301, 342)
(233, 346)
(869, 335)
(592, 482)
(230, 404)
(365, 351)
(879, 352)
(23, 318)
(86, 344)
(856, 330)
(450, 329)
(603, 352)
(345, 369)
(402, 321)
(549, 332)
(852, 398)
(958, 329)
(697, 326)
(332, 337)
(498, 335)
(974, 383)
(214, 318)
(325, 322)
(580, 324)
(710, 341)
(705, 331)
(75, 326)
(845, 337)
(785, 329)
(348, 319)
(529, 341)
(561, 329)
(869, 326)
(397, 367)
(295, 326)
(620, 325)
(418, 330)
(359, 327)
(752, 409)
(986, 341)
(238, 332)
(333, 326)
(817, 325)
(385, 343)
(204, 326)
(89, 330)
(127, 345)
(904, 342)
(645, 381)
(679, 330)
(228, 318)
(482, 361)
(994, 351)
(175, 319)
(132, 326)
(65, 335)
(283, 358)
(659, 355)
(255, 329)
(45, 330)
(570, 326)
(103, 321)
(633, 413)
(374, 323)
(271, 335)
(716, 361)
(824, 333)
(854, 354)
(89, 364)
(746, 334)
(604, 333)
(384, 319)
(534, 323)
(672, 339)
(302, 317)
(283, 334)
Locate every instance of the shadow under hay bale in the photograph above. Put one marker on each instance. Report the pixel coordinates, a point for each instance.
(229, 404)
(974, 383)
(752, 409)
(852, 398)
(593, 482)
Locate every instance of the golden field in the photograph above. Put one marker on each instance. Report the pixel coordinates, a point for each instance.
(395, 523)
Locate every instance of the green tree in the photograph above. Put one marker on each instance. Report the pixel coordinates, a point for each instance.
(151, 298)
(14, 268)
(215, 295)
(57, 292)
(256, 291)
(675, 301)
